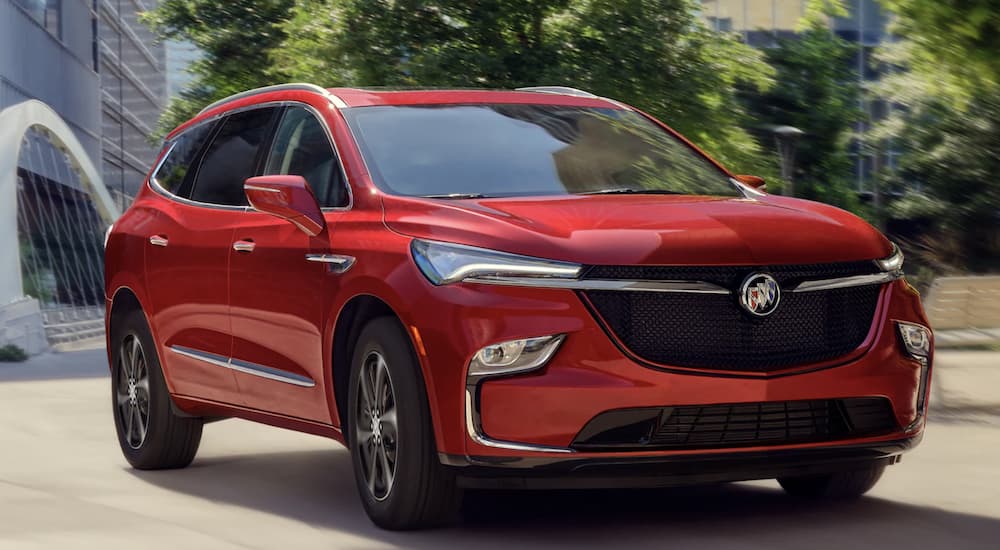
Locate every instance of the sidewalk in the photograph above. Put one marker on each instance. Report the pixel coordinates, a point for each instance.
(966, 386)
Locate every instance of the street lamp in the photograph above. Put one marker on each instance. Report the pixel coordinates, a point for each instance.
(786, 138)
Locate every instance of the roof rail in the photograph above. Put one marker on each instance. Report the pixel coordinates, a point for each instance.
(266, 89)
(562, 90)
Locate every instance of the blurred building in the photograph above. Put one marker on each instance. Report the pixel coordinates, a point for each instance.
(180, 56)
(761, 22)
(132, 69)
(81, 86)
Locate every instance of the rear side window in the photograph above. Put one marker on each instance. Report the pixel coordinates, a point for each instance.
(232, 158)
(183, 150)
(302, 148)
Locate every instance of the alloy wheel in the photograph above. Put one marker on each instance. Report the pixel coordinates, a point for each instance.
(376, 430)
(132, 391)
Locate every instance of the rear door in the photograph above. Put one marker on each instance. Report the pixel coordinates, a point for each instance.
(187, 260)
(276, 294)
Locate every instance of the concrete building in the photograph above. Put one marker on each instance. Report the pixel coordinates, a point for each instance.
(81, 86)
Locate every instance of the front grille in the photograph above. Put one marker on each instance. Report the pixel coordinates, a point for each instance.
(738, 425)
(712, 331)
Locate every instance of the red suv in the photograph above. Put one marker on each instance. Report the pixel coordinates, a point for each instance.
(511, 289)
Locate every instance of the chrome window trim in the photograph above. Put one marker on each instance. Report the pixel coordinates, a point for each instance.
(155, 185)
(847, 282)
(245, 367)
(689, 287)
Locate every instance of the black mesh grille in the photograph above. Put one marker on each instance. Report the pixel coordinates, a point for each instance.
(736, 425)
(712, 331)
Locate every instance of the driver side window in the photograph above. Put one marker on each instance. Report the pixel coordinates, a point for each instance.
(302, 148)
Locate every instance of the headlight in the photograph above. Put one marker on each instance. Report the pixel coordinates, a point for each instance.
(916, 339)
(445, 263)
(514, 356)
(892, 262)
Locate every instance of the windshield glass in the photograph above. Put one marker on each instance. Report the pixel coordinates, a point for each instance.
(503, 150)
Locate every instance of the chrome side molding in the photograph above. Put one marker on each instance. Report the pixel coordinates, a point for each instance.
(337, 263)
(245, 367)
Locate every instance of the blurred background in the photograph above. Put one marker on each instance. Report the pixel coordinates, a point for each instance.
(888, 108)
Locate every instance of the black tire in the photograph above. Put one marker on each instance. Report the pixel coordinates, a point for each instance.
(840, 485)
(168, 440)
(417, 492)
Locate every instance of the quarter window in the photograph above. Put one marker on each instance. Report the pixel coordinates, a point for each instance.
(232, 158)
(182, 152)
(302, 148)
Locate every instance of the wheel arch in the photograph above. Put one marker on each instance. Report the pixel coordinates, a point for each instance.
(353, 316)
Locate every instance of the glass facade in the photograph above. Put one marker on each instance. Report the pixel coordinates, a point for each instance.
(60, 233)
(132, 68)
(48, 13)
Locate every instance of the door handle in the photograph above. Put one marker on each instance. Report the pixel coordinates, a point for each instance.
(158, 240)
(244, 246)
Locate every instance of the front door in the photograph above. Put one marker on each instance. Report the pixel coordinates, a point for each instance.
(276, 293)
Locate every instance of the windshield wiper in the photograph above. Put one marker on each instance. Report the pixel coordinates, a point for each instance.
(630, 191)
(457, 196)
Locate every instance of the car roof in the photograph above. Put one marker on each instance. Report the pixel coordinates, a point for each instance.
(367, 97)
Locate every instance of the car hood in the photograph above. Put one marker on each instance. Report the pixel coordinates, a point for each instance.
(644, 229)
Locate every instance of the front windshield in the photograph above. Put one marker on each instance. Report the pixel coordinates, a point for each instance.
(503, 150)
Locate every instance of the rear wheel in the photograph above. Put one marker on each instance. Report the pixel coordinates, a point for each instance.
(151, 435)
(401, 482)
(839, 485)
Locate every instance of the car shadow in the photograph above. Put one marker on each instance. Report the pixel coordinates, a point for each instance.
(317, 488)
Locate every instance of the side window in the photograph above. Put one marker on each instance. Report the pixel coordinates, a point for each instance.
(302, 148)
(232, 158)
(176, 167)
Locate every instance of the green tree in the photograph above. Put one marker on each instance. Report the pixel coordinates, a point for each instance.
(235, 38)
(655, 54)
(948, 125)
(816, 92)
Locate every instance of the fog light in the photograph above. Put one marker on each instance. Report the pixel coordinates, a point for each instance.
(916, 339)
(514, 356)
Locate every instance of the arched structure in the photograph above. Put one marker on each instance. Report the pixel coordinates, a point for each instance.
(15, 122)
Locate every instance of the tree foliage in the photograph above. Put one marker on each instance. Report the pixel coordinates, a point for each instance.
(235, 38)
(655, 54)
(817, 92)
(948, 123)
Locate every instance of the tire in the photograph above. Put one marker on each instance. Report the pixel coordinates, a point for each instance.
(401, 482)
(840, 485)
(151, 435)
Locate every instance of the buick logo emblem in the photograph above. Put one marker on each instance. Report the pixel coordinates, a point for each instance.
(760, 294)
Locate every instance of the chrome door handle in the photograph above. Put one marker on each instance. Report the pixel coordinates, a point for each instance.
(244, 246)
(158, 240)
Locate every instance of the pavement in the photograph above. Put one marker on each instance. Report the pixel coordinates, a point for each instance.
(64, 484)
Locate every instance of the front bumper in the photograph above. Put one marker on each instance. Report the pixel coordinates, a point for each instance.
(534, 417)
(670, 471)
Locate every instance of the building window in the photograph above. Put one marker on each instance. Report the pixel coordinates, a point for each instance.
(46, 12)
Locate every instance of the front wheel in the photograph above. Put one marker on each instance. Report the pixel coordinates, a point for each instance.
(400, 479)
(151, 435)
(839, 485)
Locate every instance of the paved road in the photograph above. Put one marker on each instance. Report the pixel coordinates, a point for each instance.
(63, 484)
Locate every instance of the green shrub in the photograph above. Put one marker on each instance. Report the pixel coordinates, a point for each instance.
(12, 354)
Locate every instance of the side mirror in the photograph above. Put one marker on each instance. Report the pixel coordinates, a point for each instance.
(288, 198)
(756, 182)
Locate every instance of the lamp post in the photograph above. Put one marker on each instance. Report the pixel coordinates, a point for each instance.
(786, 138)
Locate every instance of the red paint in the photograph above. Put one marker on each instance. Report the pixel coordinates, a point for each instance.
(273, 308)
